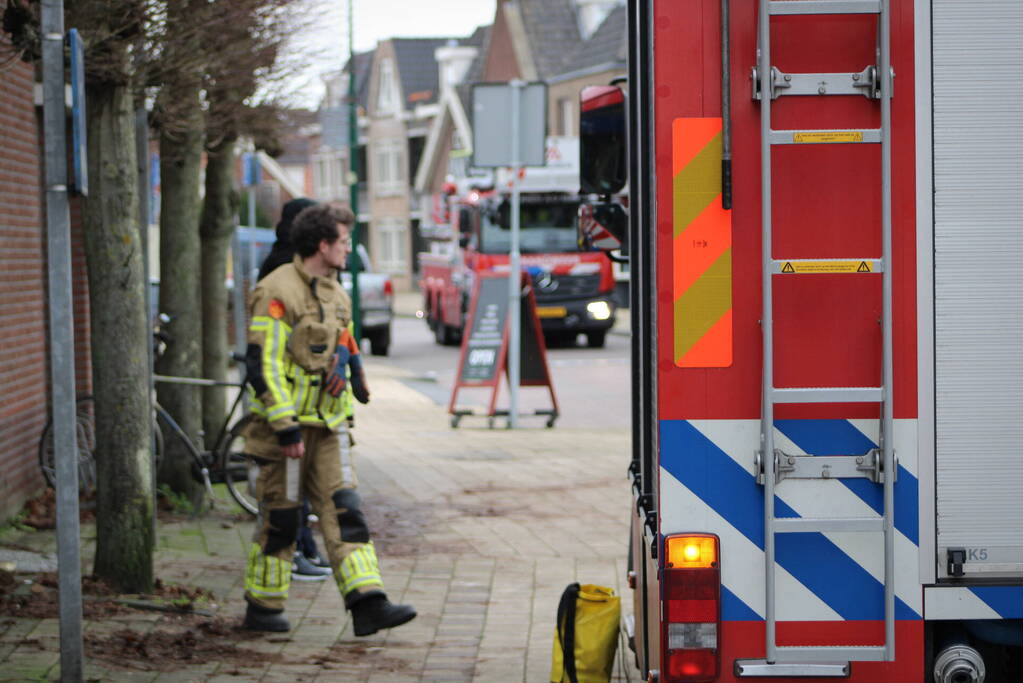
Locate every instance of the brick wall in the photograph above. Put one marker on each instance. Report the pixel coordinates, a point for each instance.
(23, 362)
(24, 351)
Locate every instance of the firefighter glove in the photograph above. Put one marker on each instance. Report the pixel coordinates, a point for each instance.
(335, 381)
(359, 387)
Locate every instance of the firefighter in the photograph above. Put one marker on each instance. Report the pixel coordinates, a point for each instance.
(299, 356)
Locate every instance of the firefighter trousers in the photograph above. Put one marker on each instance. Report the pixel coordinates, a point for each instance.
(325, 475)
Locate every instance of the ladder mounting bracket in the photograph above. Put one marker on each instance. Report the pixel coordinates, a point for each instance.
(868, 466)
(864, 83)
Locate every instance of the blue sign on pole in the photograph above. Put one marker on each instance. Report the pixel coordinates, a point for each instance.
(252, 169)
(78, 130)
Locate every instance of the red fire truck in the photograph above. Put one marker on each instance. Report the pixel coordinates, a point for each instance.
(825, 242)
(574, 289)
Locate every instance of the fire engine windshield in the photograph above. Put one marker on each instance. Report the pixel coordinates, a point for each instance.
(546, 225)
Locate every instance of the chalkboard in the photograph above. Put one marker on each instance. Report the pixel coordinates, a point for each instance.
(532, 361)
(489, 313)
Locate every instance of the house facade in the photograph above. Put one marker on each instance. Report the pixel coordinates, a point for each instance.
(564, 43)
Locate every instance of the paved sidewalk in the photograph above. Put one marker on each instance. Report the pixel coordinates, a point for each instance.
(479, 529)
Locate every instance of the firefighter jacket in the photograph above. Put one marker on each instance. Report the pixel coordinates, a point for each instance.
(298, 321)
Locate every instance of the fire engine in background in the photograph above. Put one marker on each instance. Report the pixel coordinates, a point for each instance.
(828, 379)
(574, 290)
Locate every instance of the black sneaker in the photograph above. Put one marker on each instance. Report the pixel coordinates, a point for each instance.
(262, 619)
(304, 570)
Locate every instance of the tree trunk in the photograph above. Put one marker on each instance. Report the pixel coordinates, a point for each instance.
(180, 154)
(120, 339)
(216, 229)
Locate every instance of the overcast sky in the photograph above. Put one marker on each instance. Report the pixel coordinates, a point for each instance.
(326, 47)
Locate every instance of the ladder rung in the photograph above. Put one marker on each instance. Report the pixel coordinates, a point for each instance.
(796, 525)
(824, 137)
(828, 395)
(794, 266)
(824, 7)
(852, 653)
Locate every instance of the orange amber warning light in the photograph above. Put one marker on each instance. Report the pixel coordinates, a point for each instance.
(691, 551)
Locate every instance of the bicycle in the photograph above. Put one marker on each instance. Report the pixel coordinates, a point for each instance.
(226, 463)
(85, 432)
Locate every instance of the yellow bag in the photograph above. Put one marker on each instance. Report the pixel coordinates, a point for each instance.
(587, 627)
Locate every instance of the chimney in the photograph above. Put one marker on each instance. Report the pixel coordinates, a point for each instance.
(454, 61)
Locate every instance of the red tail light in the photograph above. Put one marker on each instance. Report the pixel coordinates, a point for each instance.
(388, 288)
(691, 597)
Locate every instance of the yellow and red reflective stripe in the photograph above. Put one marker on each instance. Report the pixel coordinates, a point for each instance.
(275, 339)
(702, 247)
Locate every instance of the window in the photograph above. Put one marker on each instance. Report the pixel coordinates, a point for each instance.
(329, 176)
(387, 99)
(388, 169)
(392, 240)
(566, 113)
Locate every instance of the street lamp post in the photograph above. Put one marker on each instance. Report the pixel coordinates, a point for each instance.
(353, 174)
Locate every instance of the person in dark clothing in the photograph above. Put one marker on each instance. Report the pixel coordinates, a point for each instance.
(282, 252)
(308, 564)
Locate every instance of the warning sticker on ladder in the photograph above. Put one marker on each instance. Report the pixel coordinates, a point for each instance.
(828, 266)
(825, 136)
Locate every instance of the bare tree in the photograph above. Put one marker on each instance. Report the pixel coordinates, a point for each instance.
(179, 120)
(120, 335)
(255, 31)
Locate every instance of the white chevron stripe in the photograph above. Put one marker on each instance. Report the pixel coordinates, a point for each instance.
(955, 602)
(905, 440)
(819, 498)
(742, 562)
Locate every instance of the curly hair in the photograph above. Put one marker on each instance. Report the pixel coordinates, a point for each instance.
(317, 223)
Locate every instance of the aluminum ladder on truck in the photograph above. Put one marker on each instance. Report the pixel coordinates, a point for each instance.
(875, 82)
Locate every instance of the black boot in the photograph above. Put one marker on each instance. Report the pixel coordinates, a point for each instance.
(372, 611)
(264, 619)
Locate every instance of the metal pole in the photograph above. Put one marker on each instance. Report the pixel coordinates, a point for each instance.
(353, 166)
(514, 261)
(726, 109)
(240, 277)
(252, 197)
(62, 357)
(142, 168)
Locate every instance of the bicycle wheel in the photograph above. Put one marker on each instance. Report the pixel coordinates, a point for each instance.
(239, 468)
(85, 430)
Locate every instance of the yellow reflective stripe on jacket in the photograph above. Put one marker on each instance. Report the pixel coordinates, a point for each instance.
(359, 570)
(267, 576)
(275, 340)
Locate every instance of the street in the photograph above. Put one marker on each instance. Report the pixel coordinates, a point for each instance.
(591, 385)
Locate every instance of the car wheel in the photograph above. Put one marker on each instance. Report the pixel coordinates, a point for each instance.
(380, 343)
(595, 340)
(558, 340)
(444, 334)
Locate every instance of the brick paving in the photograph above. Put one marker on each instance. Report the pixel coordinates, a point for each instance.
(480, 529)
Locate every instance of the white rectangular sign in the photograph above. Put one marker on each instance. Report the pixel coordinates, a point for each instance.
(492, 122)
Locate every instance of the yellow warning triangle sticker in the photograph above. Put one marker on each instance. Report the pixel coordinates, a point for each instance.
(787, 268)
(864, 268)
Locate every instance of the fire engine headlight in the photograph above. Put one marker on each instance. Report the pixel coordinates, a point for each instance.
(598, 310)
